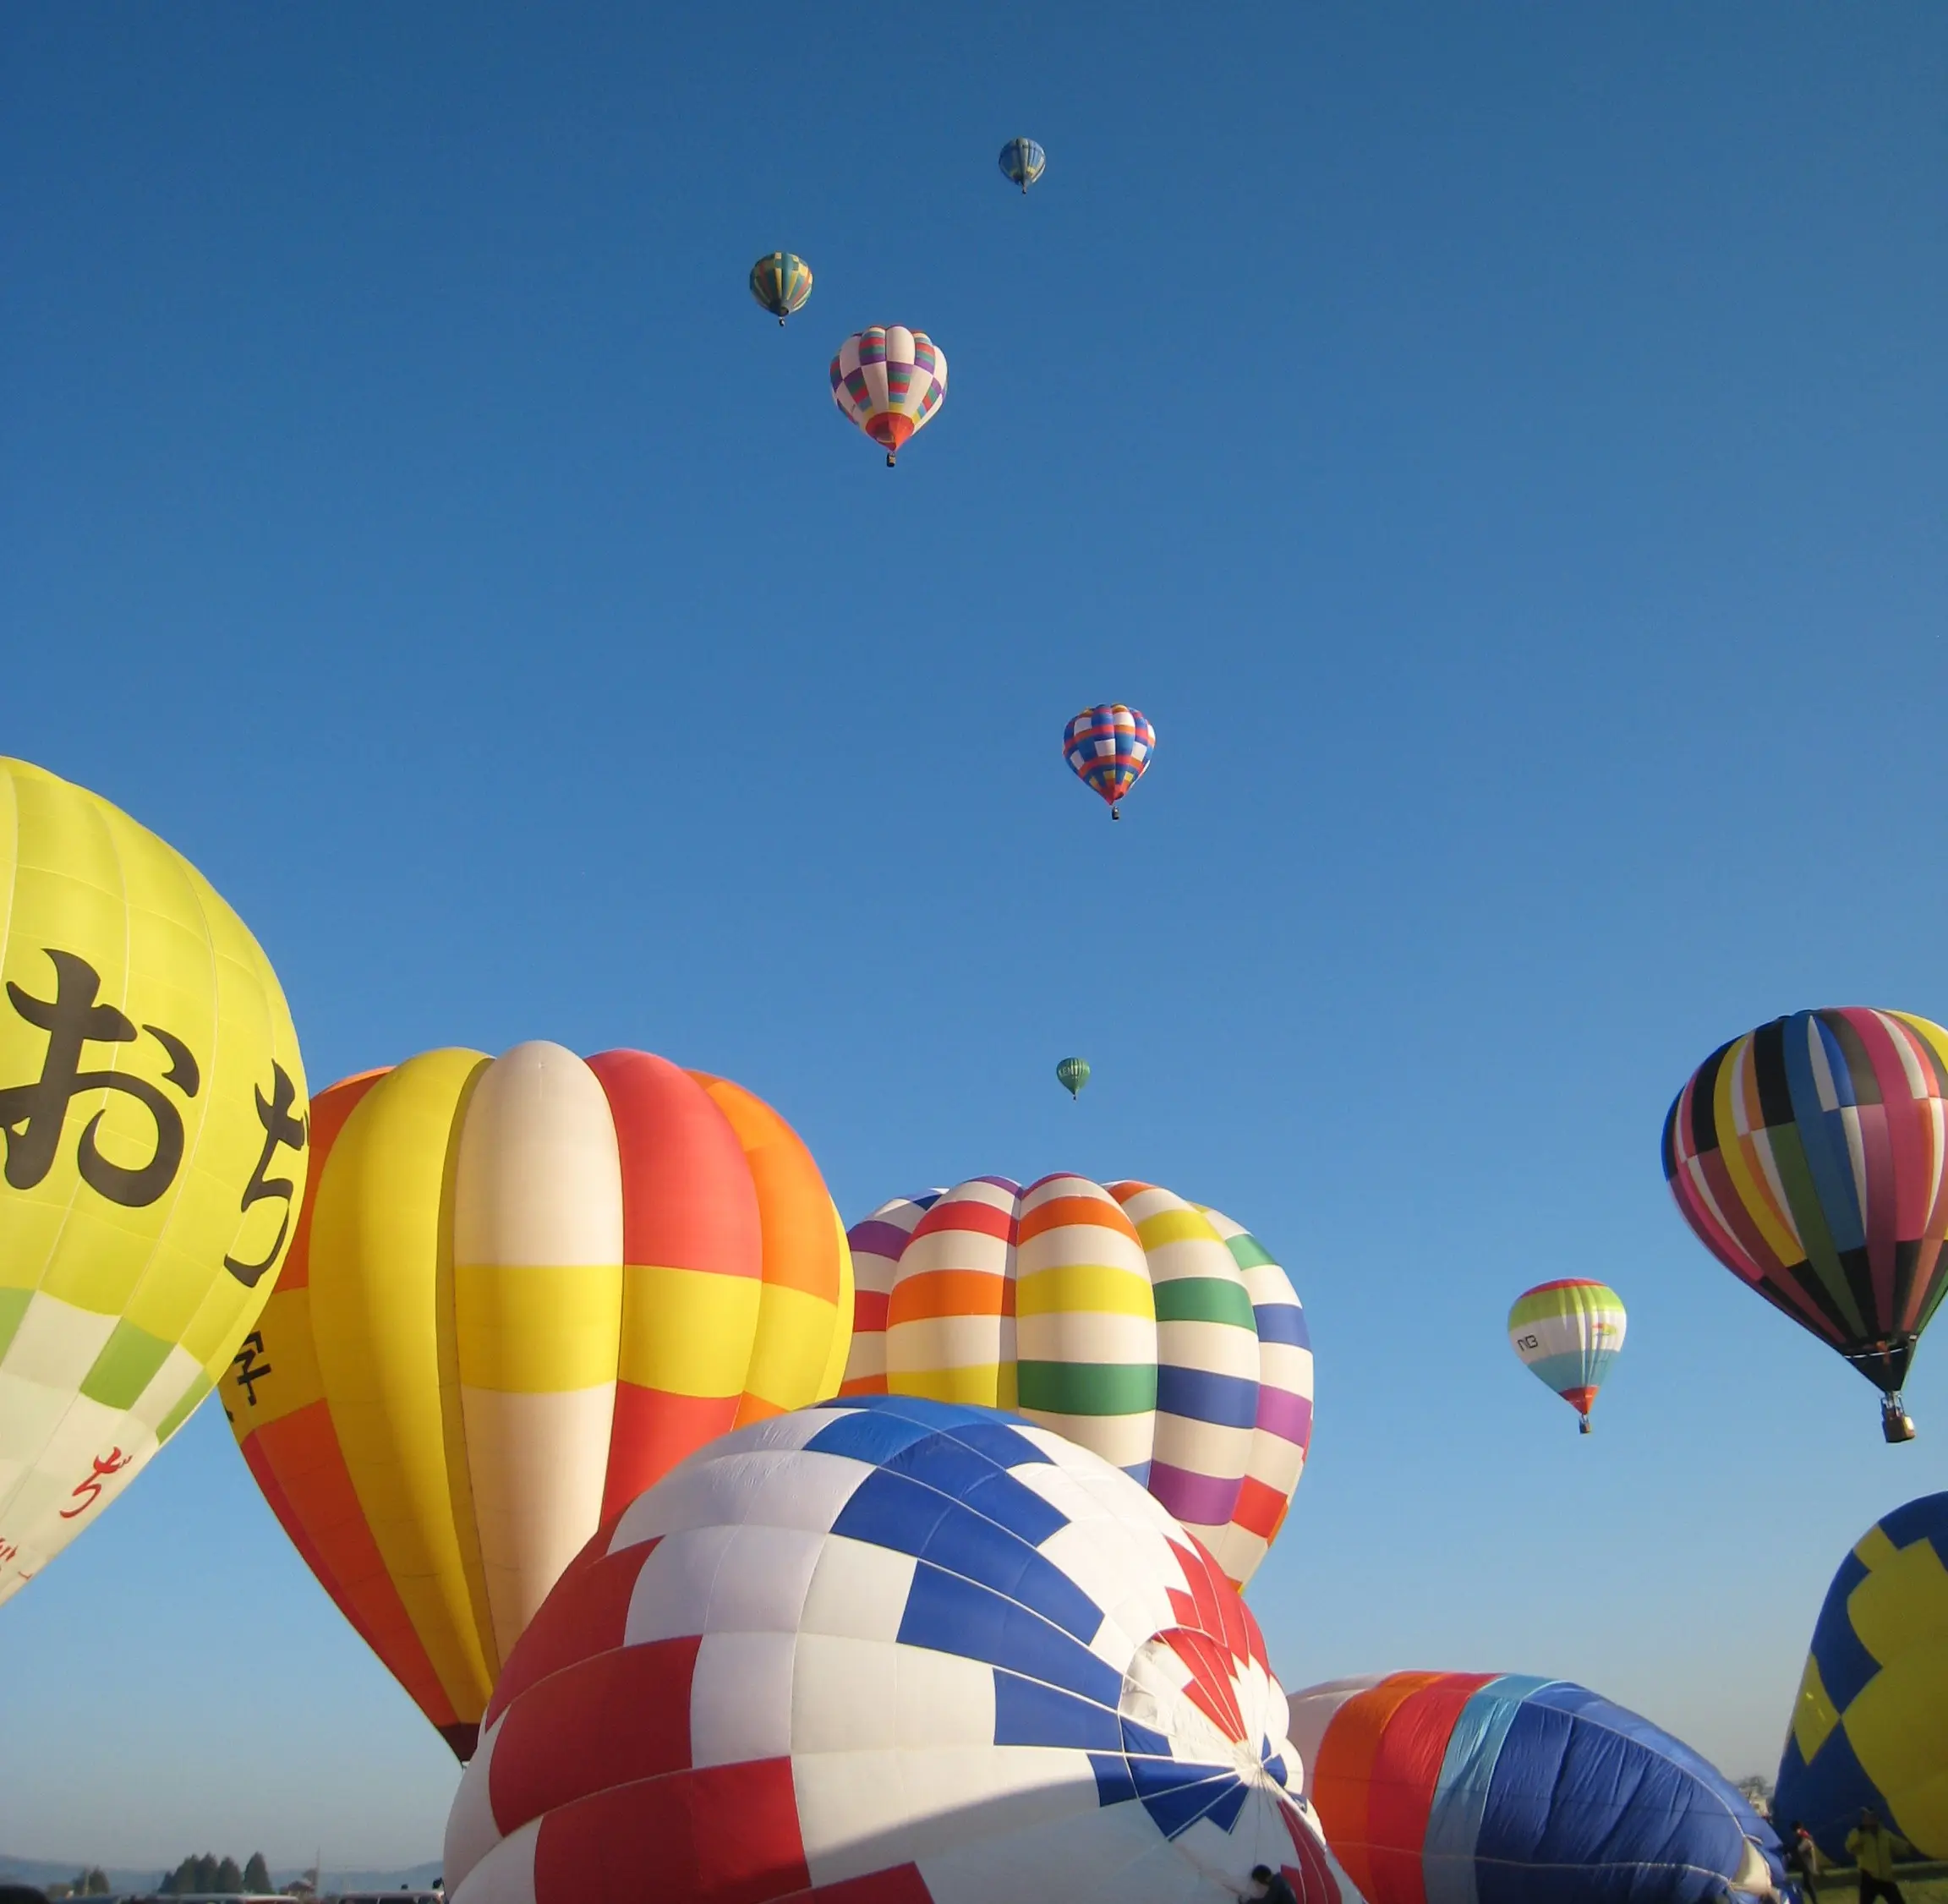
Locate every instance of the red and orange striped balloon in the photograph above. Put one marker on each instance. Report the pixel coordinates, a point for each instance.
(521, 1289)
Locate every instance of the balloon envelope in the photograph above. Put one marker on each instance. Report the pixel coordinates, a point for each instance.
(152, 1103)
(1568, 1333)
(1072, 1074)
(1810, 1156)
(1156, 1333)
(1023, 162)
(1486, 1788)
(1870, 1724)
(781, 282)
(523, 1288)
(1109, 749)
(892, 1651)
(890, 381)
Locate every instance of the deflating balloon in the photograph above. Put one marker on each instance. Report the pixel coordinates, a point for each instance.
(152, 1106)
(521, 1289)
(890, 381)
(889, 1651)
(1810, 1156)
(1870, 1725)
(1437, 1787)
(1072, 1074)
(1023, 162)
(1109, 749)
(781, 282)
(1567, 1334)
(1155, 1332)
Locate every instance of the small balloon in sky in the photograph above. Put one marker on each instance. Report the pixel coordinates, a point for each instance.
(1072, 1074)
(890, 381)
(1109, 749)
(1567, 1334)
(781, 282)
(1023, 162)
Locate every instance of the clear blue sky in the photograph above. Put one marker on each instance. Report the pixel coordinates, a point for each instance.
(1501, 447)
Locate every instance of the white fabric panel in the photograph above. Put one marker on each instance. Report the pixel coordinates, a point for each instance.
(671, 1597)
(858, 1590)
(506, 1875)
(741, 1698)
(1119, 1859)
(731, 1480)
(471, 1830)
(762, 1584)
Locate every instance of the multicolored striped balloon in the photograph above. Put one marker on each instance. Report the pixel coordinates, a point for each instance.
(1023, 162)
(1810, 1156)
(1487, 1788)
(520, 1291)
(1155, 1332)
(781, 282)
(1567, 1334)
(890, 381)
(1109, 748)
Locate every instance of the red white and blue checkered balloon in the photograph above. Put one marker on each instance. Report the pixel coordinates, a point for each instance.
(887, 1651)
(1109, 748)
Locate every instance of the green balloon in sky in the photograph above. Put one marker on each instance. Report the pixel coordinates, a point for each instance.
(1072, 1074)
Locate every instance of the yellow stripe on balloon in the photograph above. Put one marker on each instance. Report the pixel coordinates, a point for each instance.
(705, 1326)
(382, 1314)
(840, 1347)
(1101, 1288)
(1748, 1183)
(794, 1347)
(290, 1349)
(537, 1329)
(1185, 1223)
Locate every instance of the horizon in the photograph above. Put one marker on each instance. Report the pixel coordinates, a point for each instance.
(1499, 452)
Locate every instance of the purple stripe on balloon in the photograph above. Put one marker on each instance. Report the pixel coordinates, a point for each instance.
(1202, 1500)
(1287, 1415)
(876, 1237)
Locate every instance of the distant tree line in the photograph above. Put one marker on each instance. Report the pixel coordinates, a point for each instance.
(90, 1883)
(198, 1875)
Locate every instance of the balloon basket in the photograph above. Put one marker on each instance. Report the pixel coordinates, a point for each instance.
(1583, 1426)
(1896, 1424)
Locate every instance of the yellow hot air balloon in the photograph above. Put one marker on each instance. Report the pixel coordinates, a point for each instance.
(152, 1110)
(521, 1289)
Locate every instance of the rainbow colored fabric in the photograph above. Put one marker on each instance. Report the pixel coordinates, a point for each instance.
(1870, 1724)
(1486, 1788)
(1109, 748)
(890, 381)
(1155, 1332)
(1567, 1334)
(781, 282)
(1810, 1156)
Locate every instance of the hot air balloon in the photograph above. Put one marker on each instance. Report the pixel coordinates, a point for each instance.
(1109, 748)
(1072, 1074)
(1156, 1333)
(781, 282)
(890, 381)
(1811, 1158)
(152, 1108)
(1440, 1787)
(887, 1650)
(1870, 1724)
(1567, 1334)
(1023, 162)
(521, 1289)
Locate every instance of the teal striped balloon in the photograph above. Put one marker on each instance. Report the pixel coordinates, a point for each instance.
(1567, 1334)
(781, 282)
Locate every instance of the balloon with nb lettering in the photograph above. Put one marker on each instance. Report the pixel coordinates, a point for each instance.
(887, 1651)
(1499, 1788)
(890, 381)
(1567, 1334)
(1154, 1332)
(521, 1289)
(152, 1111)
(1810, 1156)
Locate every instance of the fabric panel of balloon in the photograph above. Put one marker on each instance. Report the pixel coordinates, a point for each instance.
(781, 283)
(152, 1106)
(1568, 1333)
(890, 381)
(1109, 749)
(1870, 1724)
(1023, 162)
(1154, 1332)
(1487, 1788)
(523, 1288)
(1810, 1156)
(892, 1650)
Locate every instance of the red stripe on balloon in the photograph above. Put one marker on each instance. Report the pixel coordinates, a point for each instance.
(585, 1614)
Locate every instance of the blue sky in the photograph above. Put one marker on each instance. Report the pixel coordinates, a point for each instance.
(1500, 448)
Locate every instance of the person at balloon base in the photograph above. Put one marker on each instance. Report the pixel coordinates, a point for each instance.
(1803, 1860)
(1271, 1887)
(1875, 1848)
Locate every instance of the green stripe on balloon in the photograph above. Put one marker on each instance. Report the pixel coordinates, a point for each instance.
(1086, 1387)
(1205, 1299)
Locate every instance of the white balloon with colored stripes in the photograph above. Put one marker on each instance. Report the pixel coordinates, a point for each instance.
(1153, 1331)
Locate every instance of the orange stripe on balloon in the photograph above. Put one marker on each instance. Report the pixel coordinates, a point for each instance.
(1060, 1212)
(1342, 1773)
(950, 1292)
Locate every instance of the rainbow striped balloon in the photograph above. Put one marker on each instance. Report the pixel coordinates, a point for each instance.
(1156, 1333)
(1109, 750)
(1567, 1334)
